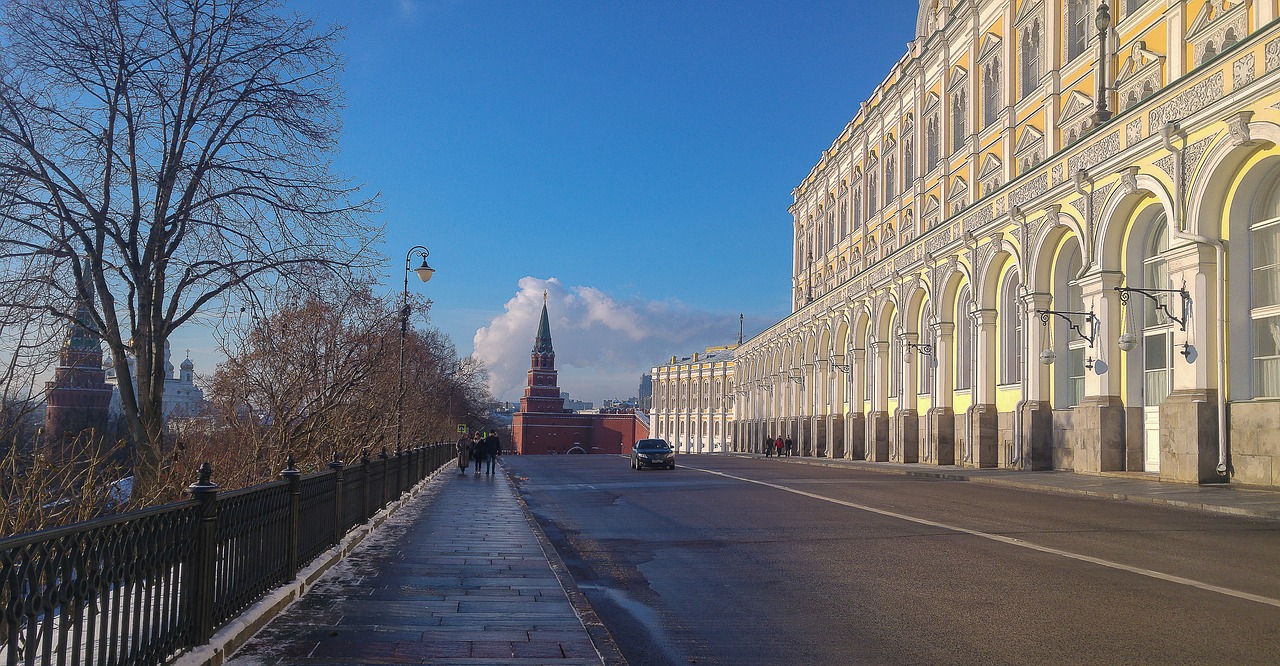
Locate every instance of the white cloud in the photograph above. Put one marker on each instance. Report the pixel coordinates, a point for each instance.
(602, 344)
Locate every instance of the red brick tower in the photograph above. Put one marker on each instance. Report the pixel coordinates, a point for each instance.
(544, 426)
(542, 393)
(78, 396)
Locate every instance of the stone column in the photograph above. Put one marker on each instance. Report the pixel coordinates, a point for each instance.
(826, 407)
(986, 419)
(855, 424)
(1037, 411)
(1099, 420)
(1189, 416)
(907, 417)
(878, 420)
(941, 416)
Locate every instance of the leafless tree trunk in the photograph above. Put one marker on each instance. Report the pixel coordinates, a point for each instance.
(182, 147)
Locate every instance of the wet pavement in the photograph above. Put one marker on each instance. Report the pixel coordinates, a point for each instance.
(462, 575)
(459, 576)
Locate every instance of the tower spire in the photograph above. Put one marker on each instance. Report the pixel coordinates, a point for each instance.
(542, 343)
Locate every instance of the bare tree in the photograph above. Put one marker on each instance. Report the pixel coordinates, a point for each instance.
(182, 147)
(317, 373)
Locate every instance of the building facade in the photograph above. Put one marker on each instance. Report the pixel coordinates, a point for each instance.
(693, 401)
(1050, 239)
(182, 398)
(543, 425)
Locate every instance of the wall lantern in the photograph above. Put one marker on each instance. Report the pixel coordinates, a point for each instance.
(1048, 356)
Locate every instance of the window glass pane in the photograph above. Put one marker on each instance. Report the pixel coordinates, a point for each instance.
(1075, 381)
(1266, 357)
(1265, 247)
(1157, 351)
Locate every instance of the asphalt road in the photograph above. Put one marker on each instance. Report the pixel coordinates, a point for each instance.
(737, 561)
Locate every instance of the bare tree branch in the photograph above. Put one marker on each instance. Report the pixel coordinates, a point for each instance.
(183, 147)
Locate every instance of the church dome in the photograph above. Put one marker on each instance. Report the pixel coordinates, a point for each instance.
(188, 365)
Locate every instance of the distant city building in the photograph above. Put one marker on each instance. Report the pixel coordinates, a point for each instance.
(644, 398)
(182, 398)
(544, 425)
(78, 396)
(576, 405)
(693, 401)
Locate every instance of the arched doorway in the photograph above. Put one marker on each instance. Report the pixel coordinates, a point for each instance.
(1151, 364)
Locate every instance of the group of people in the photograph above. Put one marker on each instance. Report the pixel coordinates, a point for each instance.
(479, 449)
(778, 446)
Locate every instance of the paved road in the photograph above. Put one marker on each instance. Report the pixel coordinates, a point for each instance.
(741, 561)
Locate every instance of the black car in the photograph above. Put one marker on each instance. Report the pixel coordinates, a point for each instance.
(653, 453)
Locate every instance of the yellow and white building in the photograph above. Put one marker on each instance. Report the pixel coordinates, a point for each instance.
(693, 401)
(1049, 240)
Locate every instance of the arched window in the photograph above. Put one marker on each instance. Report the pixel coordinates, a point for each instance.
(857, 209)
(1157, 340)
(959, 110)
(1131, 6)
(844, 218)
(991, 92)
(965, 335)
(895, 358)
(1071, 349)
(890, 186)
(1079, 22)
(1011, 329)
(1030, 58)
(872, 208)
(831, 228)
(1264, 305)
(931, 143)
(928, 362)
(908, 165)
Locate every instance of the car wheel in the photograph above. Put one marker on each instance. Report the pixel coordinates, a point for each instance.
(671, 466)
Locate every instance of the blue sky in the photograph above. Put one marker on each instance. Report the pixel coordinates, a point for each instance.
(634, 159)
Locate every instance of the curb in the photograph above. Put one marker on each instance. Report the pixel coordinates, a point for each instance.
(952, 475)
(224, 643)
(605, 646)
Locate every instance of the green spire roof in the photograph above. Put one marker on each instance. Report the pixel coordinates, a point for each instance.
(83, 334)
(542, 344)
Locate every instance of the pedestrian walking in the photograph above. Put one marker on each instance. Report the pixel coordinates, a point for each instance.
(477, 451)
(790, 445)
(464, 453)
(768, 447)
(777, 445)
(492, 447)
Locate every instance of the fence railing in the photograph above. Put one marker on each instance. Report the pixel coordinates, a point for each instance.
(141, 587)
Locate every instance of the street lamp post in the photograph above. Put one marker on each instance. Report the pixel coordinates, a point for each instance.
(1103, 22)
(424, 273)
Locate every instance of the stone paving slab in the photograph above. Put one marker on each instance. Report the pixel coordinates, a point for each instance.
(461, 575)
(1214, 498)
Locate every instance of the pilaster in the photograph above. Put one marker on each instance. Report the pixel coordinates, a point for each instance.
(942, 438)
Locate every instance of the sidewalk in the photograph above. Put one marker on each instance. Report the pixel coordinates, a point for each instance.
(1131, 487)
(459, 576)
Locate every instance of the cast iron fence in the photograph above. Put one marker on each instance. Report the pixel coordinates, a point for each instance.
(141, 587)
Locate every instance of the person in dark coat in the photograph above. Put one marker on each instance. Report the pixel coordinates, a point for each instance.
(464, 453)
(768, 447)
(477, 451)
(790, 445)
(492, 447)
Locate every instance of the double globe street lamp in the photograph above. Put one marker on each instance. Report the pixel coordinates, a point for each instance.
(425, 271)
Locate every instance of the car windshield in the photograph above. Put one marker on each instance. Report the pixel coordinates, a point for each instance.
(652, 445)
